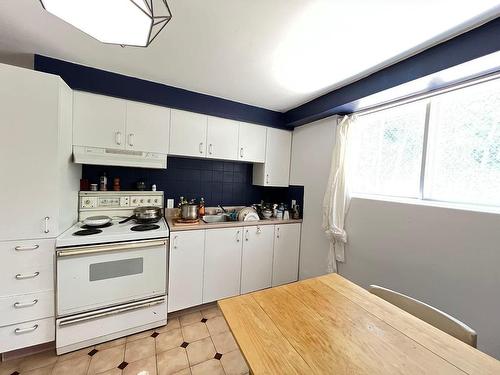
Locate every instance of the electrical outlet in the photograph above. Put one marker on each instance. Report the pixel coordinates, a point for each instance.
(170, 203)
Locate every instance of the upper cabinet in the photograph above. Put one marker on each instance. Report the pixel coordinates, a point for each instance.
(40, 184)
(222, 138)
(252, 143)
(188, 134)
(147, 127)
(103, 124)
(98, 120)
(276, 169)
(109, 123)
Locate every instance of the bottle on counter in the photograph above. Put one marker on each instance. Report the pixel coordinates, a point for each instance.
(103, 185)
(116, 184)
(201, 208)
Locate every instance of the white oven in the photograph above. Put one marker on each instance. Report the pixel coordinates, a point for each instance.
(95, 277)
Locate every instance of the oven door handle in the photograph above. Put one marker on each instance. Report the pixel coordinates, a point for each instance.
(113, 311)
(96, 249)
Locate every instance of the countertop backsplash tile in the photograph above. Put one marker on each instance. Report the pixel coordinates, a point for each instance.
(218, 182)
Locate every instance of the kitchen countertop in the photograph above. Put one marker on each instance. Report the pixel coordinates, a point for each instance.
(226, 224)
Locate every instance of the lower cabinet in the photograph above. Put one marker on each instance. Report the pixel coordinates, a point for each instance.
(186, 269)
(286, 253)
(257, 258)
(212, 264)
(222, 271)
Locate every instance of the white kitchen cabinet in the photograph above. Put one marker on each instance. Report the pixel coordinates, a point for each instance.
(39, 183)
(252, 143)
(185, 286)
(188, 134)
(286, 253)
(257, 258)
(222, 271)
(276, 169)
(98, 121)
(147, 127)
(222, 138)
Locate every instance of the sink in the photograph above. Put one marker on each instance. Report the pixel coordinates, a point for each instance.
(209, 219)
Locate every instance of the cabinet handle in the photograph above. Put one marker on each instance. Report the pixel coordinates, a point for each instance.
(246, 235)
(20, 276)
(267, 178)
(238, 236)
(26, 248)
(18, 331)
(210, 148)
(131, 139)
(118, 138)
(201, 147)
(259, 230)
(175, 242)
(19, 305)
(46, 230)
(241, 152)
(278, 232)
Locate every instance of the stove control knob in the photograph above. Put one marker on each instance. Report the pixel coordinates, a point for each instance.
(149, 200)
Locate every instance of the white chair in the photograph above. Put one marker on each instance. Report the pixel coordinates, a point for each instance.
(429, 314)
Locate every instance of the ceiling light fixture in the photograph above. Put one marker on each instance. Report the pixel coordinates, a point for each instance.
(124, 22)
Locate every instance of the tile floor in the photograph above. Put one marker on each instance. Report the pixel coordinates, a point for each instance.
(193, 342)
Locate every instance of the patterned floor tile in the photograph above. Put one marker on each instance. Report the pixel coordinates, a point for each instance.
(172, 361)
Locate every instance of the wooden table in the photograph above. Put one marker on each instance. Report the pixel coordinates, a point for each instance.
(328, 325)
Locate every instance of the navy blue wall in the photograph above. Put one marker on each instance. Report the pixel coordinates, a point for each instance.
(219, 182)
(97, 81)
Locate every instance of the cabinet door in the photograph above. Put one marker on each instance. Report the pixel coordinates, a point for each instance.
(278, 150)
(188, 134)
(222, 138)
(286, 253)
(252, 143)
(257, 258)
(28, 153)
(185, 284)
(222, 272)
(98, 121)
(148, 127)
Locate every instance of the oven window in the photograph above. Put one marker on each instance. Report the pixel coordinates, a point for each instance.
(117, 268)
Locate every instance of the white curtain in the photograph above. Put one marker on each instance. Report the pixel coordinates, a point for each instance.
(336, 202)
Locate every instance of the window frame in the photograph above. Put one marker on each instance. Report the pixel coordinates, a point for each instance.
(422, 199)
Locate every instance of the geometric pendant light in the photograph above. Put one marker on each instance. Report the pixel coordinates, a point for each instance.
(123, 22)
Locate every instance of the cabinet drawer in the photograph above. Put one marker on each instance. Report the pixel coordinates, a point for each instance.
(30, 333)
(25, 307)
(26, 253)
(26, 267)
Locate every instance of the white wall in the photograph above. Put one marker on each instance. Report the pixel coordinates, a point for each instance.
(311, 156)
(446, 257)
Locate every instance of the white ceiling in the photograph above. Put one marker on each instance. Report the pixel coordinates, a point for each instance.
(273, 54)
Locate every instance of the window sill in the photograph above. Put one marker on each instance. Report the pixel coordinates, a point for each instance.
(429, 203)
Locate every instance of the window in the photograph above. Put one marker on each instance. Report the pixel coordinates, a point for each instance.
(443, 148)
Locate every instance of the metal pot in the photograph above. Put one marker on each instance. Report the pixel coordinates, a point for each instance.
(189, 211)
(146, 214)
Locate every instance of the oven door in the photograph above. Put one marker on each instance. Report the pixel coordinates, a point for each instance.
(98, 276)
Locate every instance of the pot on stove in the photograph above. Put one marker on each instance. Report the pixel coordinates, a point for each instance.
(145, 215)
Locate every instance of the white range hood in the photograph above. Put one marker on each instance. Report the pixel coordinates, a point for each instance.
(123, 158)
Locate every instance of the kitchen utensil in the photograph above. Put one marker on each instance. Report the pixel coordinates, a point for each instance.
(189, 211)
(145, 215)
(267, 213)
(96, 221)
(245, 211)
(251, 216)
